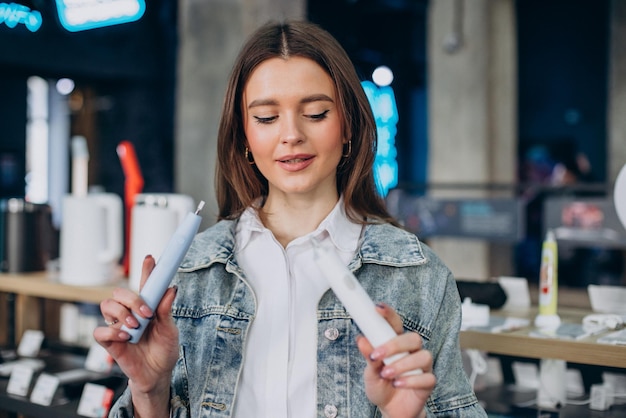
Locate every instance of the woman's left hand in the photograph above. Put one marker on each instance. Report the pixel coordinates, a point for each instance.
(397, 395)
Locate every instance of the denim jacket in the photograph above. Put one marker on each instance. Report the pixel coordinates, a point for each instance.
(214, 309)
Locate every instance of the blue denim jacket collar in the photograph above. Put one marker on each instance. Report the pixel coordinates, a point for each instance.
(375, 248)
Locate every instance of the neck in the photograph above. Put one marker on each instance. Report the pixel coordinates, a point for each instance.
(292, 218)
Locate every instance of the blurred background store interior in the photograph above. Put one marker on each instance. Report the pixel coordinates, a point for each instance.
(512, 100)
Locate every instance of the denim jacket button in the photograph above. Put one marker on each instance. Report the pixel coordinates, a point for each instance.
(331, 333)
(330, 411)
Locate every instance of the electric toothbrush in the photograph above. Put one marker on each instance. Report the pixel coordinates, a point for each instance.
(356, 301)
(165, 269)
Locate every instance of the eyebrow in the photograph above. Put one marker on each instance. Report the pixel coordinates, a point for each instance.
(308, 99)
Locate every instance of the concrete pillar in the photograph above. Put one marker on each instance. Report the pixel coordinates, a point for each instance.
(472, 84)
(211, 33)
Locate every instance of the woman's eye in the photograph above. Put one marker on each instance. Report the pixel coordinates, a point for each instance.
(319, 116)
(264, 120)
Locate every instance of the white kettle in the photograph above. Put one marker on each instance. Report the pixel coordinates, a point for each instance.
(154, 218)
(91, 239)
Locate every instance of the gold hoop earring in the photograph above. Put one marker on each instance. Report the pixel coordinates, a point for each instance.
(347, 153)
(248, 155)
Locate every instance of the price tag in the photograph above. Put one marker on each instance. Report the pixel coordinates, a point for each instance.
(30, 344)
(44, 389)
(95, 401)
(20, 379)
(98, 359)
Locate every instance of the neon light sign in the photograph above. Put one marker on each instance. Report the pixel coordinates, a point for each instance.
(11, 14)
(383, 103)
(77, 15)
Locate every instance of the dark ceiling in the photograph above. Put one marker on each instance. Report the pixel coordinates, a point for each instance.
(378, 32)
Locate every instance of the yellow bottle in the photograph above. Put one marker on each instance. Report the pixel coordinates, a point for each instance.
(548, 284)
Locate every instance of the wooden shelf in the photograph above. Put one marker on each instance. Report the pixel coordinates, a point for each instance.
(521, 344)
(39, 284)
(34, 293)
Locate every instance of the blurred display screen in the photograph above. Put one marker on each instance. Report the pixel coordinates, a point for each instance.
(500, 219)
(584, 221)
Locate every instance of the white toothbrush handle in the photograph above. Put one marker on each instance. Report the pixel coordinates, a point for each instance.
(164, 270)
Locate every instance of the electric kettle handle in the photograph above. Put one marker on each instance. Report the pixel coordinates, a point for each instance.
(112, 205)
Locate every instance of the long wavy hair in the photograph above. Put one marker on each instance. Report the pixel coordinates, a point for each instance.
(240, 184)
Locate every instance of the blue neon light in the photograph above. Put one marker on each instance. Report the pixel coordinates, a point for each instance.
(11, 14)
(383, 103)
(77, 15)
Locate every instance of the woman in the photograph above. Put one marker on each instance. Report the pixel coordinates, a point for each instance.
(250, 327)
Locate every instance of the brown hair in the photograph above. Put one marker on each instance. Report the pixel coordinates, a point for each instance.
(239, 184)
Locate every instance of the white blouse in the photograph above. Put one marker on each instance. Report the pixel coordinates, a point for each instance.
(280, 358)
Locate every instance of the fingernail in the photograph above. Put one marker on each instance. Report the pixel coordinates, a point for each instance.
(148, 256)
(131, 321)
(146, 311)
(398, 383)
(377, 354)
(387, 372)
(124, 335)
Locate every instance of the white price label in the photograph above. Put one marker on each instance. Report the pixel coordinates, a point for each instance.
(44, 389)
(20, 379)
(95, 401)
(30, 344)
(98, 359)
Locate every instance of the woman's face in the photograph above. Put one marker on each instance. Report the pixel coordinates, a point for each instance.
(293, 127)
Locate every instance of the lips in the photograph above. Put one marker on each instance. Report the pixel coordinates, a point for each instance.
(295, 162)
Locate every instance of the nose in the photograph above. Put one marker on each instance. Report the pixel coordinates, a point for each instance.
(290, 131)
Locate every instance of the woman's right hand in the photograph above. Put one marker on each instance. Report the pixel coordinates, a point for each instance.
(148, 364)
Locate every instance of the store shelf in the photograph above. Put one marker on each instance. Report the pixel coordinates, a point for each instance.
(43, 285)
(67, 406)
(26, 295)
